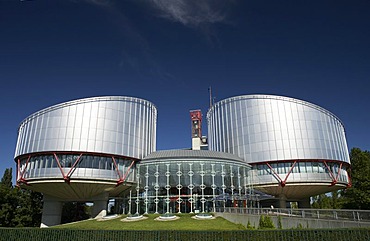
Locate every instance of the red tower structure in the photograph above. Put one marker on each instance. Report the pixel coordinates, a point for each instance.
(199, 142)
(196, 123)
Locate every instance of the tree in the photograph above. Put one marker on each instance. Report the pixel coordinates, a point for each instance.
(336, 200)
(18, 208)
(8, 204)
(74, 211)
(29, 209)
(332, 200)
(265, 222)
(6, 180)
(322, 201)
(358, 196)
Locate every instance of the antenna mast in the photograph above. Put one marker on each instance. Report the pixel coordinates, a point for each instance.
(210, 97)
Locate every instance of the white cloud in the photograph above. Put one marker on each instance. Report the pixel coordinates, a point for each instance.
(192, 12)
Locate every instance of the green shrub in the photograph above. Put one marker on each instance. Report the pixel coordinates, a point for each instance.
(265, 223)
(249, 225)
(280, 225)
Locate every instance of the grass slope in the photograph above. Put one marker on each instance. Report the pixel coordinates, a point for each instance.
(184, 223)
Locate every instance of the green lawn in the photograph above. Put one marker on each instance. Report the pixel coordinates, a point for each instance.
(185, 222)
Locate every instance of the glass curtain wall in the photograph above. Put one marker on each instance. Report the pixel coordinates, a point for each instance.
(178, 186)
(88, 166)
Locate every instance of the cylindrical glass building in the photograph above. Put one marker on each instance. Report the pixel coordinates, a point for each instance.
(190, 181)
(289, 142)
(93, 140)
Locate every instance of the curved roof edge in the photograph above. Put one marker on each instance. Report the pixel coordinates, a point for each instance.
(203, 154)
(81, 101)
(275, 97)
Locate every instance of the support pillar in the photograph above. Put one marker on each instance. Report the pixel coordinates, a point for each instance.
(304, 203)
(282, 201)
(51, 211)
(100, 206)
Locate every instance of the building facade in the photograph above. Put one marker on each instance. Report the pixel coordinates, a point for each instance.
(191, 181)
(296, 149)
(98, 148)
(83, 150)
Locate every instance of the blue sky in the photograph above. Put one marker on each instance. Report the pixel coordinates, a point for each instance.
(170, 51)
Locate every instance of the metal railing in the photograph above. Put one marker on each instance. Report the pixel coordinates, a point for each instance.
(331, 214)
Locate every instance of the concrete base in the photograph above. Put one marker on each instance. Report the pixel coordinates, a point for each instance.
(282, 201)
(100, 206)
(51, 212)
(195, 143)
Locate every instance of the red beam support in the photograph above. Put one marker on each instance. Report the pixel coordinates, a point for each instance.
(117, 169)
(290, 171)
(277, 175)
(25, 168)
(282, 182)
(18, 169)
(18, 177)
(60, 166)
(340, 167)
(122, 180)
(349, 179)
(20, 174)
(334, 180)
(67, 178)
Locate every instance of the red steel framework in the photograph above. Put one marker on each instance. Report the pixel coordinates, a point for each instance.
(196, 123)
(67, 176)
(333, 177)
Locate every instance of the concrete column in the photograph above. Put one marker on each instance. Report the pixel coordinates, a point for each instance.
(304, 203)
(282, 201)
(51, 211)
(100, 206)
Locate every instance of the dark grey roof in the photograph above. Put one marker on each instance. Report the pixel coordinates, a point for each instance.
(201, 154)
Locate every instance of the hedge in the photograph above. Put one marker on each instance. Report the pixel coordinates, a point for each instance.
(24, 234)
